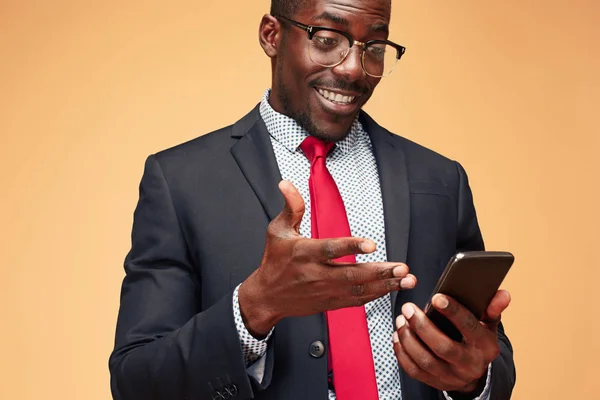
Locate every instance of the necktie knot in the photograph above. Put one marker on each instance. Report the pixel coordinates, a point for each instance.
(314, 148)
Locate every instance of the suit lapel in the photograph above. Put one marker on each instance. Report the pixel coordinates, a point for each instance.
(393, 178)
(254, 155)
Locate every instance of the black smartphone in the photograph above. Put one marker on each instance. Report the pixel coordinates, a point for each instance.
(472, 278)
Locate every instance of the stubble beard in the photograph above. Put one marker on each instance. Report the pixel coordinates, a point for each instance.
(302, 117)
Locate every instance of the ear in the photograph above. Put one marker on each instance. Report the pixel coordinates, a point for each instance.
(269, 35)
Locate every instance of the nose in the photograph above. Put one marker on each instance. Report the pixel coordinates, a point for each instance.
(351, 68)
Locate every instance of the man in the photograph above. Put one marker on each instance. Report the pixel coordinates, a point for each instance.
(241, 284)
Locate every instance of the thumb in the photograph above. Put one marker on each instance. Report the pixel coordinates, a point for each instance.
(498, 304)
(293, 209)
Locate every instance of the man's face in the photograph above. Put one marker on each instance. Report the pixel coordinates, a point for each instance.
(298, 82)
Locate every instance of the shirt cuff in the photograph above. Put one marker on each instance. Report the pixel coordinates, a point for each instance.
(252, 348)
(485, 394)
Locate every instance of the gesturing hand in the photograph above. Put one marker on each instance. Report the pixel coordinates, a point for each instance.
(426, 354)
(298, 276)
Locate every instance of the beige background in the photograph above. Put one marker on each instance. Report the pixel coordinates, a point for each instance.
(89, 89)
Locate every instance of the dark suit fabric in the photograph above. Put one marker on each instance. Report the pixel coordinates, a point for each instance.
(199, 230)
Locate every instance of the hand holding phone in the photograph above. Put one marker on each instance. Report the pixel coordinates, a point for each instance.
(472, 278)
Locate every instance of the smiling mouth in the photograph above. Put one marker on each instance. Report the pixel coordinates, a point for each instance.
(335, 97)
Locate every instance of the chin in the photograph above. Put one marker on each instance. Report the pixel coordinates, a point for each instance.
(325, 129)
(333, 132)
(330, 136)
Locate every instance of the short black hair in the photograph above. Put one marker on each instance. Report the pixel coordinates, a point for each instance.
(286, 8)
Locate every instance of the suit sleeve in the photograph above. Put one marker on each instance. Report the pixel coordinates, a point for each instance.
(470, 239)
(164, 347)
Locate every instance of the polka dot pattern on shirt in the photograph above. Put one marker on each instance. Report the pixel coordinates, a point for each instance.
(353, 167)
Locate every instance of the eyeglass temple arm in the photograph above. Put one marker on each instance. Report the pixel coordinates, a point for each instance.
(307, 28)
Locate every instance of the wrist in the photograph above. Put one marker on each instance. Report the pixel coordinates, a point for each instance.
(255, 311)
(471, 391)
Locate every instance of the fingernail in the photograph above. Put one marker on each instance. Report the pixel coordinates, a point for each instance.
(408, 310)
(367, 246)
(399, 270)
(400, 321)
(395, 338)
(407, 283)
(440, 301)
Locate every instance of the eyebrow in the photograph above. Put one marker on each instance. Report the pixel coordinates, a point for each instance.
(326, 16)
(385, 28)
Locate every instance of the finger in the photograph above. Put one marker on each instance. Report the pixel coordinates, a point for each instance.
(438, 342)
(463, 319)
(408, 282)
(475, 333)
(412, 368)
(497, 306)
(366, 292)
(330, 249)
(293, 208)
(365, 273)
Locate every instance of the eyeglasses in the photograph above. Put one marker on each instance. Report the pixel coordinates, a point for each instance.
(329, 47)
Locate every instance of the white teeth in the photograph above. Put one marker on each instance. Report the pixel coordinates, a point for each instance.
(336, 97)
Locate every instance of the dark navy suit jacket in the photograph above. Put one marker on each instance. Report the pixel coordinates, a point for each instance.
(199, 230)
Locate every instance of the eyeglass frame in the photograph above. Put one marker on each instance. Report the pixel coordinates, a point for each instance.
(311, 30)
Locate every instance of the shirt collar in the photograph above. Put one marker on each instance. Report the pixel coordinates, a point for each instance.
(290, 134)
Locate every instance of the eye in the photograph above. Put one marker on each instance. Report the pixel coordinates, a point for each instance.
(377, 51)
(326, 41)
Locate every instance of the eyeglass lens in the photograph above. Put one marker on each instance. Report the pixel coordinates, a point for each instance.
(329, 48)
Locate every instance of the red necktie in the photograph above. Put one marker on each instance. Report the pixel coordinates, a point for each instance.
(349, 341)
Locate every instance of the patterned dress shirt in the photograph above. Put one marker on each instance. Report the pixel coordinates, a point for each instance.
(353, 167)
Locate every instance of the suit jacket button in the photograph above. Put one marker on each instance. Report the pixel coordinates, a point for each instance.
(317, 349)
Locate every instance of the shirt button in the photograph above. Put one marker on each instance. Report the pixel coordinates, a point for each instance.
(317, 349)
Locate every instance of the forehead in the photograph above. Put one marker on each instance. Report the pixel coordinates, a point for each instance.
(354, 12)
